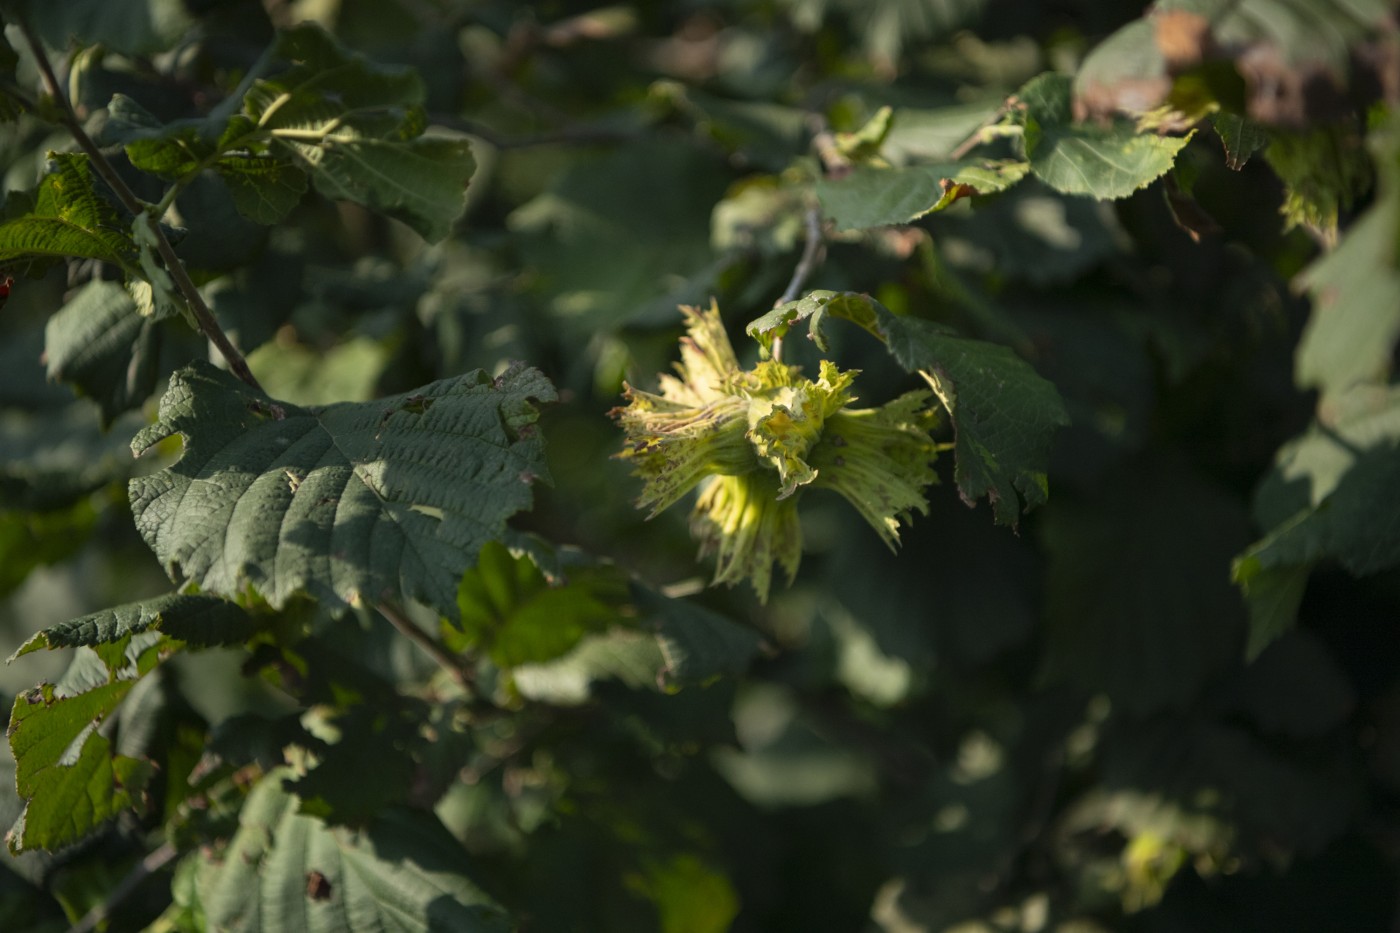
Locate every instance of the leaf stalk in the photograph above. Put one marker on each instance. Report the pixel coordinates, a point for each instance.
(204, 317)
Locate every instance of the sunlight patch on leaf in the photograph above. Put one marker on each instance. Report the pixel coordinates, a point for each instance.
(226, 516)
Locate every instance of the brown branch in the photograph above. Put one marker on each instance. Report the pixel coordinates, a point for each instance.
(208, 325)
(450, 661)
(977, 139)
(811, 257)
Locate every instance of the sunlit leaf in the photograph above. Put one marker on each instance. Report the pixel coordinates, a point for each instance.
(67, 218)
(1089, 158)
(69, 796)
(874, 197)
(374, 500)
(509, 610)
(355, 127)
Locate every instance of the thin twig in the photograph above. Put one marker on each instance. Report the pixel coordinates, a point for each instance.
(448, 660)
(834, 162)
(977, 138)
(811, 257)
(208, 325)
(152, 863)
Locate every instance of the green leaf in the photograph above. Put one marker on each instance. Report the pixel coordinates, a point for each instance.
(69, 794)
(676, 643)
(690, 896)
(203, 621)
(1325, 171)
(286, 871)
(656, 196)
(34, 539)
(1286, 52)
(100, 344)
(1355, 322)
(264, 189)
(698, 645)
(1241, 137)
(1148, 640)
(1328, 498)
(757, 131)
(508, 608)
(367, 740)
(132, 27)
(629, 656)
(54, 459)
(355, 127)
(68, 218)
(354, 503)
(1094, 159)
(1003, 413)
(347, 372)
(876, 197)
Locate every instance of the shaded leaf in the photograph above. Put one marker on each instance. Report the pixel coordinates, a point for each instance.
(655, 196)
(264, 189)
(697, 644)
(354, 503)
(1029, 233)
(875, 197)
(133, 27)
(355, 127)
(1296, 688)
(1355, 321)
(676, 643)
(54, 459)
(347, 372)
(1240, 136)
(287, 871)
(1093, 159)
(1144, 611)
(34, 539)
(1325, 499)
(365, 740)
(627, 655)
(100, 344)
(1003, 413)
(203, 621)
(1352, 526)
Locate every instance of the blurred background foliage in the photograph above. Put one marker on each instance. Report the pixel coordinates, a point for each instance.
(1053, 729)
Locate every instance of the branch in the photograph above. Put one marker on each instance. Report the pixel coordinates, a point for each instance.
(983, 132)
(448, 660)
(148, 866)
(208, 325)
(811, 257)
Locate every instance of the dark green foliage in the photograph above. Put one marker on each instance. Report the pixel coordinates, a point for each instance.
(360, 294)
